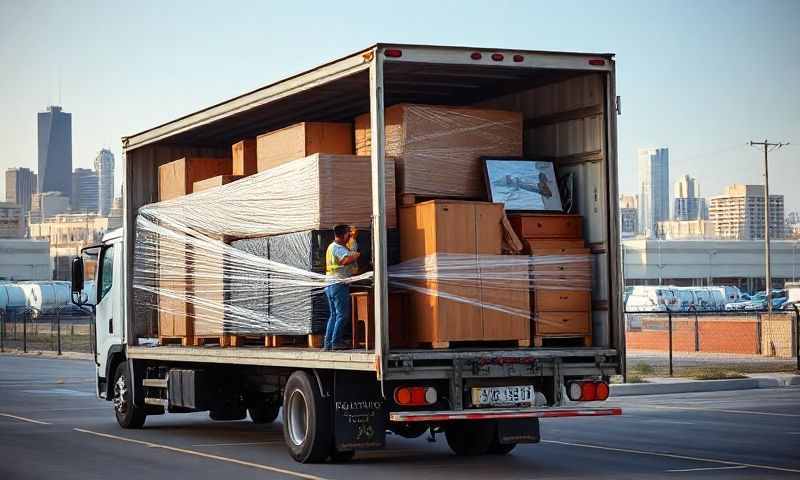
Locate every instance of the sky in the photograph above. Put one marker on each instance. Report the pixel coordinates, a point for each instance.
(701, 78)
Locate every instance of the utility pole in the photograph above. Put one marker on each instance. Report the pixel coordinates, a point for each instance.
(768, 147)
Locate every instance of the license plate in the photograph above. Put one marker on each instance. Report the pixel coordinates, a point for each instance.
(502, 395)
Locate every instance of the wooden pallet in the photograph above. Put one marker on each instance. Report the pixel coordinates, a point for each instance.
(302, 341)
(562, 340)
(222, 340)
(170, 340)
(475, 344)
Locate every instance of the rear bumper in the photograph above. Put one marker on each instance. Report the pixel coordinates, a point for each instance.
(501, 413)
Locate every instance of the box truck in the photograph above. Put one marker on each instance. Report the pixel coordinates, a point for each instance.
(484, 398)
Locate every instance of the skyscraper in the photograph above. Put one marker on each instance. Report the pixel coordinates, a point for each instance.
(84, 191)
(20, 186)
(104, 166)
(55, 151)
(688, 203)
(738, 214)
(653, 189)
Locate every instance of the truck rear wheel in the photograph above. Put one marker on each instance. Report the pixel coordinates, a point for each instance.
(470, 438)
(128, 414)
(307, 427)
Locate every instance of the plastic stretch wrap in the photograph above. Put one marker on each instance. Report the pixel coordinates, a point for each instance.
(438, 148)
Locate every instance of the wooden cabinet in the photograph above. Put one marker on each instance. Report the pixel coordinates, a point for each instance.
(532, 226)
(462, 299)
(363, 319)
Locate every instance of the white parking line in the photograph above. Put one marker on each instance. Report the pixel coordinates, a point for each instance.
(681, 470)
(724, 410)
(205, 455)
(672, 455)
(24, 419)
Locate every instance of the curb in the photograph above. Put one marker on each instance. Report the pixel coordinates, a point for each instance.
(630, 389)
(48, 355)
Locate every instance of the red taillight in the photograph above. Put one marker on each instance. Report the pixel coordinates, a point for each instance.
(393, 52)
(497, 57)
(476, 56)
(518, 58)
(597, 62)
(587, 391)
(415, 396)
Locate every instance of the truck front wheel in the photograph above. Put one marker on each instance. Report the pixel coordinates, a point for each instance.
(470, 438)
(307, 427)
(128, 414)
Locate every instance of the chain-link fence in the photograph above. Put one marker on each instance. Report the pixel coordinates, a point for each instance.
(711, 344)
(66, 329)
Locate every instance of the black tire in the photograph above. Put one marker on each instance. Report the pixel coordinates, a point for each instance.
(307, 428)
(497, 448)
(470, 438)
(263, 413)
(128, 414)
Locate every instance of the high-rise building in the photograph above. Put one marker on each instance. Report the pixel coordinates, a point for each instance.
(20, 186)
(628, 215)
(46, 205)
(688, 203)
(739, 213)
(104, 166)
(12, 220)
(84, 191)
(55, 151)
(654, 189)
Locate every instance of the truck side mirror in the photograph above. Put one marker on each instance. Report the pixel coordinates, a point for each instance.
(77, 275)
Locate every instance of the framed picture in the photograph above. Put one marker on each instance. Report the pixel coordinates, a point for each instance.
(522, 185)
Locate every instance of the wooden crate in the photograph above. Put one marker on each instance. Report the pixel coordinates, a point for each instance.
(177, 178)
(463, 308)
(245, 158)
(301, 140)
(214, 182)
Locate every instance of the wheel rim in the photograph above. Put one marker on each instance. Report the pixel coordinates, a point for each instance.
(120, 394)
(298, 418)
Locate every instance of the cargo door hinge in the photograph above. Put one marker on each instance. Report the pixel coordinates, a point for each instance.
(619, 105)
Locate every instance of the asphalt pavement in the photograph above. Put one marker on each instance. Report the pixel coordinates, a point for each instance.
(52, 426)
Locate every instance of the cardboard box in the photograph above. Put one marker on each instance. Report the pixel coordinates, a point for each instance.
(245, 158)
(177, 178)
(301, 140)
(438, 148)
(214, 182)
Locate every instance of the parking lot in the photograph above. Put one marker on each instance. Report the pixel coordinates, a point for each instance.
(52, 425)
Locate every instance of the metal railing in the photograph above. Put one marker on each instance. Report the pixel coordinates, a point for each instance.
(68, 328)
(735, 341)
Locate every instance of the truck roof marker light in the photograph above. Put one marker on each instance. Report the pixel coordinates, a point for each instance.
(497, 57)
(476, 55)
(597, 62)
(415, 396)
(518, 58)
(393, 52)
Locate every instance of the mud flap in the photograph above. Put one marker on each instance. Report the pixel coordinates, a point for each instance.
(359, 413)
(519, 430)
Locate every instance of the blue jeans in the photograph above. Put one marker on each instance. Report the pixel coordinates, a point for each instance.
(339, 319)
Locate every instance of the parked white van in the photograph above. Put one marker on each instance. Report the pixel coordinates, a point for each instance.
(651, 299)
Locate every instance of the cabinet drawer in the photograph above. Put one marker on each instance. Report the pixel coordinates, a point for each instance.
(576, 323)
(547, 226)
(562, 300)
(558, 244)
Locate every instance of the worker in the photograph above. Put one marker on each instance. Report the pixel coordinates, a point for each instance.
(340, 263)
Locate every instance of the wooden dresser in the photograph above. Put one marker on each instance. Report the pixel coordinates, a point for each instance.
(561, 299)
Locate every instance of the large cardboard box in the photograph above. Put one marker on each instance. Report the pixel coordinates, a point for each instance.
(438, 148)
(177, 178)
(466, 291)
(245, 158)
(301, 140)
(214, 182)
